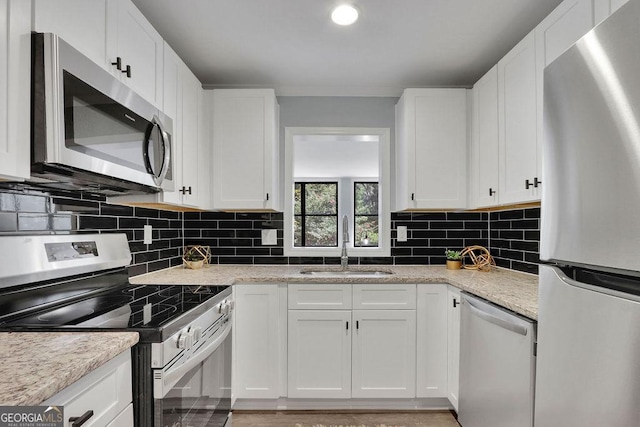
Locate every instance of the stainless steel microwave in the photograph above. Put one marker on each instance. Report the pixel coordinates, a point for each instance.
(89, 130)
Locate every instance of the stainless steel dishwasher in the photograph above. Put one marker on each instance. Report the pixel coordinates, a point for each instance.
(497, 366)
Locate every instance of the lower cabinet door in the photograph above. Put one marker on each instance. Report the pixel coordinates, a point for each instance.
(256, 342)
(319, 353)
(124, 419)
(432, 352)
(384, 354)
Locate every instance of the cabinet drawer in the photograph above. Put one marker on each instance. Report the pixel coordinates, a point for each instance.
(320, 297)
(106, 391)
(384, 297)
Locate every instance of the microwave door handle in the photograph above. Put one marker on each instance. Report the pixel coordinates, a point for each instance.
(166, 146)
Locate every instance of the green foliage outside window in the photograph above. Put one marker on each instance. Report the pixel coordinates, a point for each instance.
(366, 213)
(315, 214)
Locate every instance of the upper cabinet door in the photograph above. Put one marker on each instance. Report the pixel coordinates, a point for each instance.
(431, 144)
(484, 180)
(245, 149)
(80, 23)
(604, 8)
(133, 39)
(518, 139)
(15, 55)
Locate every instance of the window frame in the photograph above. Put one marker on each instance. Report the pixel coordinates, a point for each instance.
(303, 214)
(384, 187)
(355, 215)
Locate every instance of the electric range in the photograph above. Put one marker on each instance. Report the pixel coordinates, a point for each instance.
(80, 283)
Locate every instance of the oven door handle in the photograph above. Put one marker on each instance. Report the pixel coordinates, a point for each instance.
(172, 376)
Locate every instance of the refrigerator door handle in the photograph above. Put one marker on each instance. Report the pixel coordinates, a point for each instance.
(503, 323)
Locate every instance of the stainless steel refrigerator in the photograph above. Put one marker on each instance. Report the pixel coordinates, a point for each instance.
(588, 363)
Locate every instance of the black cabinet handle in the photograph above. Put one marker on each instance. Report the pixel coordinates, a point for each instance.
(185, 190)
(491, 192)
(527, 184)
(455, 303)
(413, 196)
(347, 325)
(267, 197)
(78, 421)
(127, 71)
(118, 63)
(357, 324)
(536, 182)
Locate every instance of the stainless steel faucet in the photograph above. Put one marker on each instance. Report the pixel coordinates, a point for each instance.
(344, 258)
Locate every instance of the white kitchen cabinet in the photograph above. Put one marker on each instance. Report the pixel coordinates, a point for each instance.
(384, 354)
(319, 353)
(258, 332)
(106, 391)
(183, 102)
(484, 179)
(187, 139)
(519, 145)
(105, 30)
(15, 89)
(334, 352)
(384, 297)
(323, 296)
(431, 147)
(453, 345)
(431, 363)
(245, 160)
(560, 29)
(604, 8)
(139, 46)
(81, 23)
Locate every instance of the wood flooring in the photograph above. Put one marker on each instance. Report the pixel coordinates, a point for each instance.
(345, 419)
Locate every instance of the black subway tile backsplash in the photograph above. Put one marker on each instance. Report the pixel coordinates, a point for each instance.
(235, 238)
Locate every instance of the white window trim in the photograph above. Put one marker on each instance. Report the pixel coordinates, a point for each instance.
(384, 187)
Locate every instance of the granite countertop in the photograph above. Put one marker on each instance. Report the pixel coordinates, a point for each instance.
(514, 290)
(37, 365)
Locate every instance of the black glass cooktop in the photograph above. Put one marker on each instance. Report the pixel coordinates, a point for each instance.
(99, 303)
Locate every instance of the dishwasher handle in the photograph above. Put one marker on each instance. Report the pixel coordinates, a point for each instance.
(498, 321)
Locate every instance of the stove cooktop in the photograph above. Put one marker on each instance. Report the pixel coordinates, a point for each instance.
(89, 305)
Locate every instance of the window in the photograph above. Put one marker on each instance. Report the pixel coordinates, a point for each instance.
(315, 214)
(330, 173)
(365, 213)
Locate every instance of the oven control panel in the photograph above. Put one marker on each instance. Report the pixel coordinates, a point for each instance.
(70, 250)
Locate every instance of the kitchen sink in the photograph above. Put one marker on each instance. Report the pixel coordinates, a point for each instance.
(333, 273)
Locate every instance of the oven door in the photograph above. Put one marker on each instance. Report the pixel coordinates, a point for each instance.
(197, 392)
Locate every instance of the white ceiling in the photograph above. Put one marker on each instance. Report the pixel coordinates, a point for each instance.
(292, 46)
(336, 156)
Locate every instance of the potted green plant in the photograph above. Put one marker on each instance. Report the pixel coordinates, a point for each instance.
(196, 256)
(454, 259)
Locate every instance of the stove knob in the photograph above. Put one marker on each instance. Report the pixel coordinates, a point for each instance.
(182, 341)
(197, 334)
(225, 308)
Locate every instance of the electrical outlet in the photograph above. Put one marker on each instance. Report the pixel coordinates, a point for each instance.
(402, 233)
(269, 237)
(147, 238)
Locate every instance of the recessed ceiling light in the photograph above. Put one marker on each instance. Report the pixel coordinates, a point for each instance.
(344, 14)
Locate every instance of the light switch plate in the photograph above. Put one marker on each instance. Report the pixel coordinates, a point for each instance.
(402, 233)
(269, 237)
(147, 239)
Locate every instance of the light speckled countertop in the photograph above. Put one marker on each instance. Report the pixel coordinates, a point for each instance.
(37, 365)
(514, 290)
